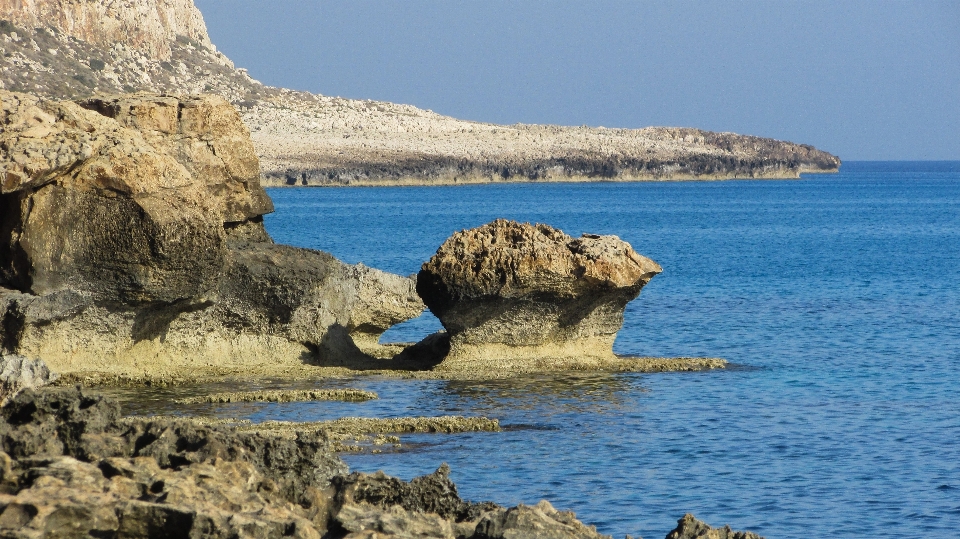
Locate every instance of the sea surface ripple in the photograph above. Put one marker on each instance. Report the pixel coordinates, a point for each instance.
(836, 297)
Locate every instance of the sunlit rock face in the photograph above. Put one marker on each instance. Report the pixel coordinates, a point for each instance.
(511, 294)
(132, 241)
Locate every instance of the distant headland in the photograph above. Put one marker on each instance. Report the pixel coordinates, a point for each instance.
(78, 50)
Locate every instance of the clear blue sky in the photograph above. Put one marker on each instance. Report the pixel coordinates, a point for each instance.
(861, 79)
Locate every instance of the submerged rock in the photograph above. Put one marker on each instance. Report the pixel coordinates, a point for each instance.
(132, 241)
(514, 294)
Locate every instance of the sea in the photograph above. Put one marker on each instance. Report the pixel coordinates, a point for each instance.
(835, 298)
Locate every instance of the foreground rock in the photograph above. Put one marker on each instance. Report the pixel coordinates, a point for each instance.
(515, 295)
(132, 241)
(74, 49)
(70, 468)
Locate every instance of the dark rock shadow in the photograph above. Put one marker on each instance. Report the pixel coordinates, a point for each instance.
(337, 349)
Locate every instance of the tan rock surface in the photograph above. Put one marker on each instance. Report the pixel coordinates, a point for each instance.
(513, 294)
(206, 136)
(132, 243)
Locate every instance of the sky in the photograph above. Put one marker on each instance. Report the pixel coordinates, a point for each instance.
(865, 80)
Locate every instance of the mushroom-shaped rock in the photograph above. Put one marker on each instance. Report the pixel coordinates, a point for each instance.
(520, 296)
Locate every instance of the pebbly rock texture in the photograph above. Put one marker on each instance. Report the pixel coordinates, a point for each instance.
(18, 373)
(62, 49)
(132, 242)
(689, 527)
(515, 295)
(71, 467)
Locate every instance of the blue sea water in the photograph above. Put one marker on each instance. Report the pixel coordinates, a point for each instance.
(836, 297)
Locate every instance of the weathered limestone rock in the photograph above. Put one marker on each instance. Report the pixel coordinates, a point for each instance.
(91, 206)
(70, 466)
(132, 242)
(516, 295)
(18, 372)
(540, 521)
(689, 527)
(206, 136)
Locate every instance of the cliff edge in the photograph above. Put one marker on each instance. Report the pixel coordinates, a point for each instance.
(69, 50)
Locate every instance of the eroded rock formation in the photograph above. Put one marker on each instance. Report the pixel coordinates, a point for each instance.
(132, 240)
(146, 25)
(69, 465)
(689, 527)
(514, 294)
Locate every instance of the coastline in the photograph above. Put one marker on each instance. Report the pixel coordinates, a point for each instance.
(454, 180)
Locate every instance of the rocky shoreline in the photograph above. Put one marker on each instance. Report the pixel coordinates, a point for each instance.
(133, 253)
(132, 250)
(70, 466)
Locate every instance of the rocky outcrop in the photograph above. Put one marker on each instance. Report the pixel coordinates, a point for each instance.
(73, 49)
(69, 465)
(689, 527)
(514, 294)
(18, 373)
(132, 240)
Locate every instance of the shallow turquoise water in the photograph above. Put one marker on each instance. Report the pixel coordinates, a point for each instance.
(837, 297)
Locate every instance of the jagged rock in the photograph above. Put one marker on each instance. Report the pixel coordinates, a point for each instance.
(18, 372)
(689, 527)
(434, 493)
(132, 242)
(519, 295)
(206, 136)
(539, 521)
(70, 465)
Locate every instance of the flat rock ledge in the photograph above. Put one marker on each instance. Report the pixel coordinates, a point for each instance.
(520, 296)
(70, 467)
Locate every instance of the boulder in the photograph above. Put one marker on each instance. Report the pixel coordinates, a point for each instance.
(688, 527)
(204, 134)
(18, 372)
(515, 295)
(132, 243)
